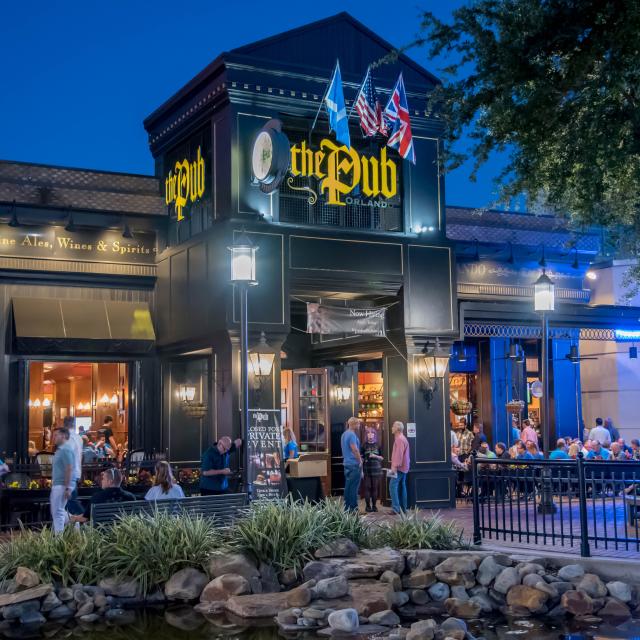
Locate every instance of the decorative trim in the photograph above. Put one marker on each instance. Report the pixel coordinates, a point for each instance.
(79, 267)
(496, 330)
(518, 291)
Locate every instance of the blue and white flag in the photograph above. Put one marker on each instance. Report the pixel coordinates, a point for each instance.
(334, 100)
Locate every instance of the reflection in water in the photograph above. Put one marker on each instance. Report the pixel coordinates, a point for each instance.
(183, 623)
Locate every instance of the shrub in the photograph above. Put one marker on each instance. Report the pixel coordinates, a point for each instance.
(151, 548)
(345, 524)
(73, 556)
(411, 531)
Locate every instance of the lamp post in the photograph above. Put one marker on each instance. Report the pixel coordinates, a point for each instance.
(243, 276)
(544, 301)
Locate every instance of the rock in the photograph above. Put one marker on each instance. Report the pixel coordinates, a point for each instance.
(50, 602)
(418, 596)
(458, 591)
(507, 578)
(119, 588)
(81, 597)
(184, 618)
(16, 611)
(316, 570)
(370, 596)
(615, 609)
(488, 571)
(32, 618)
(339, 548)
(458, 570)
(528, 568)
(288, 577)
(224, 586)
(90, 618)
(85, 609)
(557, 612)
(385, 618)
(120, 616)
(237, 563)
(26, 578)
(570, 572)
(591, 584)
(400, 598)
(578, 603)
(563, 587)
(368, 563)
(532, 579)
(453, 624)
(549, 589)
(462, 608)
(422, 630)
(522, 596)
(186, 584)
(344, 620)
(300, 596)
(439, 591)
(42, 590)
(93, 591)
(392, 578)
(209, 608)
(512, 611)
(315, 614)
(267, 605)
(485, 603)
(288, 616)
(332, 587)
(101, 601)
(65, 594)
(60, 613)
(619, 590)
(419, 579)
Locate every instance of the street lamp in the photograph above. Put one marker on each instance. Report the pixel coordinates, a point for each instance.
(434, 365)
(262, 358)
(243, 276)
(544, 301)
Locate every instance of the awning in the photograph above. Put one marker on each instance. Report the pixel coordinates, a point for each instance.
(45, 325)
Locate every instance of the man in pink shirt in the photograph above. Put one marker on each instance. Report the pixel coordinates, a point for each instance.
(400, 462)
(528, 433)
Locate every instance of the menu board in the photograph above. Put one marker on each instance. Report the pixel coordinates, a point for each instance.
(266, 468)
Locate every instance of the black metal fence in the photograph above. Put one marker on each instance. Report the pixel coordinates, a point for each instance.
(580, 504)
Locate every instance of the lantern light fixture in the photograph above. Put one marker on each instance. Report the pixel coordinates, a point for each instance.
(262, 358)
(186, 393)
(544, 293)
(243, 260)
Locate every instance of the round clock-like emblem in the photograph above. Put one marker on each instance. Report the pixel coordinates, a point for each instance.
(270, 156)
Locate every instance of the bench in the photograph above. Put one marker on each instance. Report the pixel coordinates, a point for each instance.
(224, 508)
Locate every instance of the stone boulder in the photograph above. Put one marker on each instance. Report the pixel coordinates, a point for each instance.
(577, 603)
(506, 579)
(186, 584)
(453, 625)
(267, 605)
(339, 548)
(370, 596)
(439, 591)
(17, 611)
(387, 618)
(571, 572)
(345, 620)
(35, 593)
(615, 609)
(225, 586)
(118, 588)
(368, 563)
(331, 587)
(318, 570)
(465, 609)
(393, 579)
(620, 590)
(488, 571)
(419, 579)
(422, 630)
(238, 563)
(26, 578)
(591, 584)
(458, 570)
(528, 597)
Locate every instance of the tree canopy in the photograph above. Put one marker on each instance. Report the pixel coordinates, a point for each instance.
(556, 84)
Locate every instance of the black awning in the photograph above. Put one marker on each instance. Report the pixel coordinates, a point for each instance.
(47, 326)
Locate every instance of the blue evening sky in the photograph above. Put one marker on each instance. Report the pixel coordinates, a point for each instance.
(79, 76)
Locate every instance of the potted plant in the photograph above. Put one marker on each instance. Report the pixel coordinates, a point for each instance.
(515, 406)
(461, 407)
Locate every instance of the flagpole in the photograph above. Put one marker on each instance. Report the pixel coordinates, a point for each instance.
(324, 96)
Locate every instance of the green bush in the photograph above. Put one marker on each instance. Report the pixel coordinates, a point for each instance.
(150, 548)
(345, 524)
(73, 556)
(413, 531)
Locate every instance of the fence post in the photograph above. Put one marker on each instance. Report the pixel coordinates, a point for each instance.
(477, 538)
(582, 499)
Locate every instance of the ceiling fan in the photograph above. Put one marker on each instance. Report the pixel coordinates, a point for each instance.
(575, 357)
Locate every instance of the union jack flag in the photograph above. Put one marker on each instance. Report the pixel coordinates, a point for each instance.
(369, 108)
(396, 114)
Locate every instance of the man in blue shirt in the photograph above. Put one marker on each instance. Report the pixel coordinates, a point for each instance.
(522, 453)
(214, 470)
(560, 452)
(598, 452)
(62, 479)
(352, 461)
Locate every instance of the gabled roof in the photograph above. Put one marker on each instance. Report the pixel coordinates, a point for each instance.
(317, 45)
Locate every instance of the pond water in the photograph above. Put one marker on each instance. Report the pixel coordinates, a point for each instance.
(182, 623)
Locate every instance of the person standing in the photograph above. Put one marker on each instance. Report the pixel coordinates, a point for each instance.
(214, 469)
(614, 434)
(372, 469)
(528, 433)
(107, 431)
(600, 434)
(290, 445)
(400, 463)
(62, 479)
(77, 444)
(465, 440)
(352, 461)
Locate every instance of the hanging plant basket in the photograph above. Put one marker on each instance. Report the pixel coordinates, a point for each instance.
(461, 407)
(515, 406)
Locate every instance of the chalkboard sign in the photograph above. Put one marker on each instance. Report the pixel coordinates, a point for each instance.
(266, 468)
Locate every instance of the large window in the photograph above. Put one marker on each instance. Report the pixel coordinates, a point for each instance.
(82, 394)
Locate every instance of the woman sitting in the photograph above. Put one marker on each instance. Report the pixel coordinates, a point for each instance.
(164, 487)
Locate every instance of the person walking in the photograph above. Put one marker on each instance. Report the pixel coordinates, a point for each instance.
(352, 461)
(372, 469)
(62, 479)
(214, 469)
(400, 463)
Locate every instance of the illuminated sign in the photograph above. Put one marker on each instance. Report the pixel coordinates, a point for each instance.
(341, 170)
(185, 183)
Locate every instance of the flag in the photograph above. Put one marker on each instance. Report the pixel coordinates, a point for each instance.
(396, 114)
(369, 108)
(334, 100)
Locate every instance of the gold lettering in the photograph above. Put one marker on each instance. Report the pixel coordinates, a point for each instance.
(200, 189)
(185, 183)
(341, 170)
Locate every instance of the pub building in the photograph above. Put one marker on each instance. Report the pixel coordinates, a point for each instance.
(372, 298)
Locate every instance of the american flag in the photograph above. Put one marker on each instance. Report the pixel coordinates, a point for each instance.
(369, 108)
(396, 114)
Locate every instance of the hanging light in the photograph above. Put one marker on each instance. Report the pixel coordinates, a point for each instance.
(544, 293)
(105, 400)
(343, 394)
(114, 398)
(126, 230)
(243, 260)
(435, 363)
(262, 357)
(46, 403)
